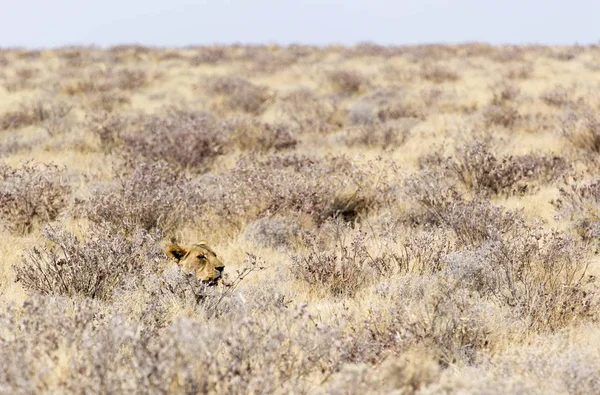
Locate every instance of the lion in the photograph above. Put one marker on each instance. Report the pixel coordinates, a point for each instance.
(199, 260)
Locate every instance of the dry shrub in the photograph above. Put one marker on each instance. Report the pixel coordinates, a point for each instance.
(521, 72)
(14, 144)
(253, 135)
(33, 339)
(92, 268)
(106, 102)
(362, 113)
(438, 74)
(539, 274)
(307, 111)
(256, 355)
(273, 232)
(391, 134)
(24, 78)
(579, 202)
(184, 139)
(342, 267)
(398, 109)
(504, 92)
(33, 113)
(408, 373)
(283, 184)
(425, 312)
(128, 52)
(500, 115)
(56, 126)
(477, 168)
(269, 60)
(242, 95)
(537, 122)
(508, 54)
(369, 49)
(559, 363)
(33, 193)
(389, 104)
(582, 129)
(104, 352)
(343, 258)
(442, 204)
(347, 81)
(107, 128)
(566, 55)
(210, 55)
(557, 97)
(152, 196)
(102, 81)
(420, 253)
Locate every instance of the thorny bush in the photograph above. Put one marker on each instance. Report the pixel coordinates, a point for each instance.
(242, 95)
(152, 196)
(30, 194)
(579, 202)
(540, 275)
(185, 139)
(279, 184)
(92, 268)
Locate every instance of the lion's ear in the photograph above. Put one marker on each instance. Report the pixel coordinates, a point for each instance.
(176, 252)
(203, 243)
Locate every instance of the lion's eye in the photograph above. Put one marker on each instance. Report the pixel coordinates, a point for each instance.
(202, 256)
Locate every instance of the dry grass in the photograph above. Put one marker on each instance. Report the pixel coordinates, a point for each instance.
(392, 220)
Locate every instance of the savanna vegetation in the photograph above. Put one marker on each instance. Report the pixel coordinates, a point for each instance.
(420, 219)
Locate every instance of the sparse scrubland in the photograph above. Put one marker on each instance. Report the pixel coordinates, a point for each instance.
(401, 220)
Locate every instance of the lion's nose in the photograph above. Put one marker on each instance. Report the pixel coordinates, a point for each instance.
(220, 268)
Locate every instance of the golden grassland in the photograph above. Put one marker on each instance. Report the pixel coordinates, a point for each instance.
(392, 219)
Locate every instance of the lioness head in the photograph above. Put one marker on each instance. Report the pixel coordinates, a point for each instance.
(198, 259)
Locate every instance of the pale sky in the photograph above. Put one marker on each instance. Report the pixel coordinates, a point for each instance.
(52, 23)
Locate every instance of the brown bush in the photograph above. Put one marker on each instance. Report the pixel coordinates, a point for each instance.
(557, 97)
(110, 354)
(93, 268)
(242, 95)
(443, 205)
(252, 135)
(106, 102)
(579, 202)
(342, 267)
(24, 78)
(152, 196)
(540, 275)
(480, 171)
(521, 72)
(282, 184)
(307, 111)
(33, 193)
(346, 81)
(381, 135)
(369, 49)
(185, 139)
(431, 313)
(107, 128)
(438, 74)
(33, 113)
(103, 81)
(505, 115)
(210, 55)
(504, 92)
(582, 129)
(389, 104)
(273, 232)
